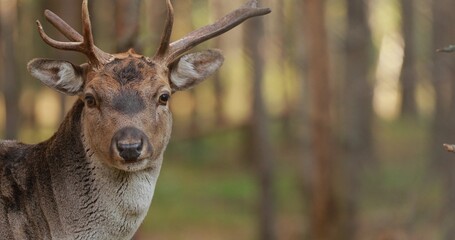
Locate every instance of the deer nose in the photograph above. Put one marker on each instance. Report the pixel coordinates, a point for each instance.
(129, 143)
(129, 151)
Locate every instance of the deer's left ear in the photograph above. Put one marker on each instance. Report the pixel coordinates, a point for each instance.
(193, 68)
(62, 76)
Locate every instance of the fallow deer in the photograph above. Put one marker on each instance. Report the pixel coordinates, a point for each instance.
(95, 177)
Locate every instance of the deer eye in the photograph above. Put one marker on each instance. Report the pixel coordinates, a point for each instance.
(164, 98)
(90, 100)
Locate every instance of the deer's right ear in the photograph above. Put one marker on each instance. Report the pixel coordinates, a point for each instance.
(193, 68)
(62, 76)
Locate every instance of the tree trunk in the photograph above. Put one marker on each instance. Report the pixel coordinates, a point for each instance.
(284, 42)
(127, 24)
(443, 80)
(195, 125)
(220, 119)
(323, 207)
(409, 77)
(307, 162)
(10, 81)
(260, 146)
(356, 112)
(157, 12)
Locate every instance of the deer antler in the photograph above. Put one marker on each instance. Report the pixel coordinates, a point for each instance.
(170, 52)
(166, 36)
(83, 44)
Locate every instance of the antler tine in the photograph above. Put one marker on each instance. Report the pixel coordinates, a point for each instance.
(96, 56)
(63, 27)
(166, 36)
(83, 44)
(87, 27)
(71, 46)
(226, 23)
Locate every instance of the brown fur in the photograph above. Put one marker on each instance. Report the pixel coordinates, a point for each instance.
(124, 78)
(54, 189)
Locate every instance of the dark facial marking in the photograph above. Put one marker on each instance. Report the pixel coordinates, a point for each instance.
(129, 102)
(127, 74)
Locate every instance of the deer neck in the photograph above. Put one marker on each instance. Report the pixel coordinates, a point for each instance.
(94, 200)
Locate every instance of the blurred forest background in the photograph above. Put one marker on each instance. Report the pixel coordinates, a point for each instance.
(326, 121)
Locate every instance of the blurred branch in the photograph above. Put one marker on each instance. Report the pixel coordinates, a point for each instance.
(448, 49)
(449, 147)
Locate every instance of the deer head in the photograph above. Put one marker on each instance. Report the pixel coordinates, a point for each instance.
(126, 121)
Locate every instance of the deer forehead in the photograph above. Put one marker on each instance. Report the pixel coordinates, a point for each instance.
(129, 70)
(127, 83)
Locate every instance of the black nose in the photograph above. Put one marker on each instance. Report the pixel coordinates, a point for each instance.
(129, 151)
(129, 142)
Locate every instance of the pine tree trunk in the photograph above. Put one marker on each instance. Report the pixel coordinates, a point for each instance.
(408, 78)
(443, 72)
(260, 146)
(356, 112)
(10, 82)
(127, 24)
(307, 162)
(220, 119)
(323, 202)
